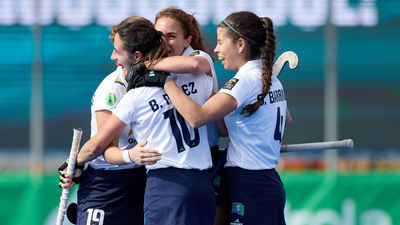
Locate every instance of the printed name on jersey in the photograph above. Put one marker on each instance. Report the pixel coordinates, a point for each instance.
(230, 84)
(119, 81)
(154, 105)
(111, 99)
(274, 96)
(195, 53)
(188, 89)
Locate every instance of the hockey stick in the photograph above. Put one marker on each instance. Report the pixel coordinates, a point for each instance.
(76, 140)
(287, 56)
(318, 146)
(304, 147)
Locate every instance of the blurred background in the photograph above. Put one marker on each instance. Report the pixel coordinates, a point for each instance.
(347, 85)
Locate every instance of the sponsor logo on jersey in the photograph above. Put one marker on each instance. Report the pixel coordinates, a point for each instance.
(111, 99)
(238, 208)
(195, 53)
(230, 84)
(119, 81)
(132, 140)
(236, 222)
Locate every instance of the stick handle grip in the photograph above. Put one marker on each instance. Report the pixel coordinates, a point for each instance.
(76, 140)
(318, 146)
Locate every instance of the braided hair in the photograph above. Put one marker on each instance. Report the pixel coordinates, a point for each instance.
(259, 35)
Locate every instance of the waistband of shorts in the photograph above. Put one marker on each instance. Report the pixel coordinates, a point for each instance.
(127, 170)
(236, 168)
(177, 169)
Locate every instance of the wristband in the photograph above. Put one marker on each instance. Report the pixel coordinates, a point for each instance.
(125, 156)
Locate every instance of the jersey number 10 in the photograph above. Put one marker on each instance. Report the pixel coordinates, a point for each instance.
(169, 114)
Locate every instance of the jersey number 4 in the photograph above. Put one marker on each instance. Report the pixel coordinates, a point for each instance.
(184, 131)
(278, 126)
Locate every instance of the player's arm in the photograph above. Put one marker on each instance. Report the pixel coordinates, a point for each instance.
(220, 123)
(138, 154)
(103, 138)
(182, 64)
(218, 106)
(289, 119)
(102, 116)
(90, 150)
(222, 130)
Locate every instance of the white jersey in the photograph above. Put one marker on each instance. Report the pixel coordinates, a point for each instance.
(255, 141)
(106, 97)
(213, 136)
(152, 117)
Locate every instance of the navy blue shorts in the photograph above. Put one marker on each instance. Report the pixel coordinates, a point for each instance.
(179, 197)
(257, 197)
(111, 196)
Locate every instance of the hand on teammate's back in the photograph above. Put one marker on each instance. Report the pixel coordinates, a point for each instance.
(134, 72)
(139, 76)
(144, 156)
(152, 79)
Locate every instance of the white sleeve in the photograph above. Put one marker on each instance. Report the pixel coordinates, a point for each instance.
(205, 55)
(125, 108)
(104, 100)
(210, 61)
(107, 95)
(238, 87)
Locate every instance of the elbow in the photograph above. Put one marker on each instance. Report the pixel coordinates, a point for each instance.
(196, 122)
(95, 150)
(198, 67)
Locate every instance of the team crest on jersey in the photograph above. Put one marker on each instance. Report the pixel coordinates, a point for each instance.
(195, 53)
(111, 99)
(238, 208)
(230, 84)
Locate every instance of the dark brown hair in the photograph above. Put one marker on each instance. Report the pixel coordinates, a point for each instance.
(259, 35)
(189, 25)
(139, 34)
